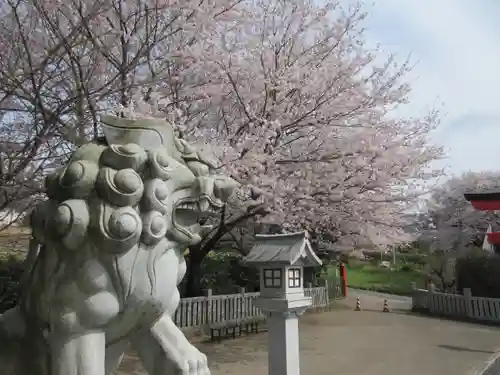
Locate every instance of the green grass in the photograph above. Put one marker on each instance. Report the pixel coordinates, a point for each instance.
(372, 277)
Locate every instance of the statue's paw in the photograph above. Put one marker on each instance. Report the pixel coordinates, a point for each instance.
(12, 324)
(194, 362)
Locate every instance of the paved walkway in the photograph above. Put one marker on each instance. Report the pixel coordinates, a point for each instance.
(361, 292)
(375, 301)
(367, 342)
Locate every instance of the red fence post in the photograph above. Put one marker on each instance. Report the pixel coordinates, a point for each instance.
(343, 278)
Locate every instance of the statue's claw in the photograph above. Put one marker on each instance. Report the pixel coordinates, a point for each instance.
(194, 363)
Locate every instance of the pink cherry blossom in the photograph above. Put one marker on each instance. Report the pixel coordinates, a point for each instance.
(284, 93)
(456, 225)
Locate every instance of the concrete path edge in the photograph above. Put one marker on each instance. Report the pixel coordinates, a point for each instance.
(491, 367)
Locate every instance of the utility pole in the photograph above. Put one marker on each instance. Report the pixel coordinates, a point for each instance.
(459, 250)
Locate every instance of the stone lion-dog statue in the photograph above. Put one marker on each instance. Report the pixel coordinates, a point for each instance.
(106, 256)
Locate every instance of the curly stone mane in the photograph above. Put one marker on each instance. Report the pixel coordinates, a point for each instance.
(108, 200)
(106, 257)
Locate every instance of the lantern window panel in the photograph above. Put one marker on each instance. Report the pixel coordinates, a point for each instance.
(294, 278)
(272, 277)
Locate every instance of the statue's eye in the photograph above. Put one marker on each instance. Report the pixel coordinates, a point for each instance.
(198, 169)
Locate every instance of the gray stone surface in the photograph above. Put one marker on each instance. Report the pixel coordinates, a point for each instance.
(368, 343)
(361, 292)
(107, 256)
(492, 367)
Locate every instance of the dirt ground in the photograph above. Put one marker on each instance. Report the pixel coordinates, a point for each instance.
(14, 242)
(348, 342)
(357, 343)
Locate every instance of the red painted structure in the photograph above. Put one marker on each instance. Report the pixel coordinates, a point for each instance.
(486, 202)
(343, 278)
(494, 238)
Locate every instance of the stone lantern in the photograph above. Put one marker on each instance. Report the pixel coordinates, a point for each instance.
(281, 259)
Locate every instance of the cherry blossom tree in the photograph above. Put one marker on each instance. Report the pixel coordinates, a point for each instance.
(457, 225)
(305, 119)
(285, 93)
(64, 62)
(299, 111)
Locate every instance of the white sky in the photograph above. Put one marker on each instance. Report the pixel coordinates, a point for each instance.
(456, 47)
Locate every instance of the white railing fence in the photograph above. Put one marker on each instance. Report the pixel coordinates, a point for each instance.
(319, 296)
(456, 305)
(199, 311)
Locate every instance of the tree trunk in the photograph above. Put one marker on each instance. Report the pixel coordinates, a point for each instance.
(193, 287)
(197, 253)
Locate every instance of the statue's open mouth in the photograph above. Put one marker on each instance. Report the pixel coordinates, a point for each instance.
(190, 215)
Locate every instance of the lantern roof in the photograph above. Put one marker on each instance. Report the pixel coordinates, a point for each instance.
(285, 249)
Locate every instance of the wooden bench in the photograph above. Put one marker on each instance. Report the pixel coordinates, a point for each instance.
(251, 324)
(225, 329)
(231, 328)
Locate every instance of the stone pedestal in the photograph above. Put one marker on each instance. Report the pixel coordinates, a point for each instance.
(283, 333)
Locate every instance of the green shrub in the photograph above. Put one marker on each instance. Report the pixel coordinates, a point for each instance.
(480, 273)
(223, 272)
(356, 264)
(406, 268)
(377, 255)
(344, 258)
(10, 274)
(419, 259)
